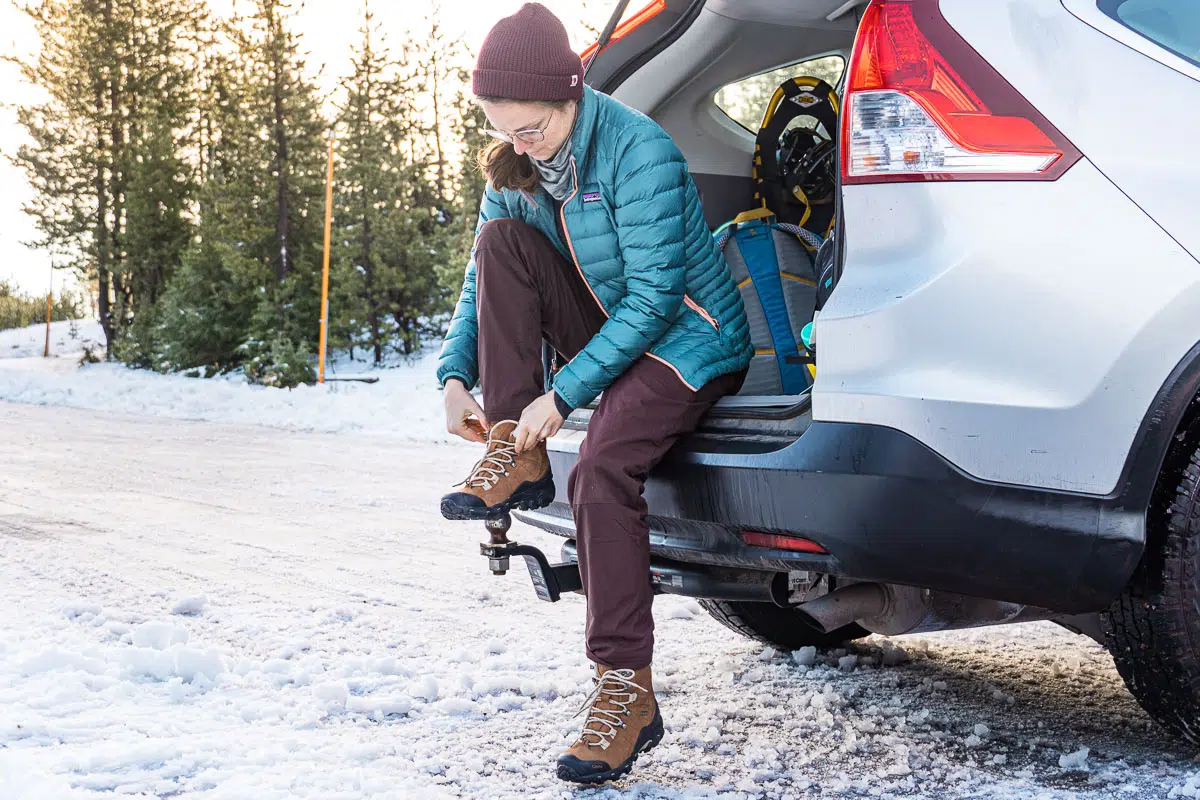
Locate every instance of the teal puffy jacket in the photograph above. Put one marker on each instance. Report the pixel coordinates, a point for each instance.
(636, 232)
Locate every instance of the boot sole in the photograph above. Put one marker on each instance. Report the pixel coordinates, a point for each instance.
(527, 497)
(650, 736)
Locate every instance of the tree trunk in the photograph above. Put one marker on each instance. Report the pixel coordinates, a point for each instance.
(368, 265)
(437, 139)
(101, 226)
(281, 146)
(101, 244)
(116, 186)
(369, 279)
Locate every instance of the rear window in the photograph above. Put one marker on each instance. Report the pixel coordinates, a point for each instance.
(745, 101)
(1173, 24)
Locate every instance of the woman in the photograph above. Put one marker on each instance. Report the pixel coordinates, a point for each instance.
(590, 236)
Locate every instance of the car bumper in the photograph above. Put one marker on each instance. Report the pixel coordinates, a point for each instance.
(885, 508)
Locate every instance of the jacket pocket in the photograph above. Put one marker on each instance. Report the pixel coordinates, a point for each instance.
(699, 309)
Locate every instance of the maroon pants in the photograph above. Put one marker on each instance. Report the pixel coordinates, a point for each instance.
(526, 291)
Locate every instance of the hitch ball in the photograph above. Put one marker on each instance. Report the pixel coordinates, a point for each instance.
(497, 528)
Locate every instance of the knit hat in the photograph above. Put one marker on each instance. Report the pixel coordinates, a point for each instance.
(528, 57)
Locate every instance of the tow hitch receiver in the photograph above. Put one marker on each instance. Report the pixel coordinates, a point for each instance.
(549, 580)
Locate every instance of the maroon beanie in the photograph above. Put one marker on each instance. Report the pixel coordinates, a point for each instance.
(528, 57)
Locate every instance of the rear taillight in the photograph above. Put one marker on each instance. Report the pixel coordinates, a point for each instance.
(922, 104)
(625, 28)
(782, 541)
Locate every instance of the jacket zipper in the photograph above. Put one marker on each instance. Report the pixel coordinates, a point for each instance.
(699, 309)
(562, 211)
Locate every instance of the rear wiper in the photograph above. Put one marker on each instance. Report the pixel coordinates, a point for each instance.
(842, 10)
(606, 34)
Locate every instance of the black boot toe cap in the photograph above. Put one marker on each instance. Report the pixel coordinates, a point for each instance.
(572, 768)
(461, 505)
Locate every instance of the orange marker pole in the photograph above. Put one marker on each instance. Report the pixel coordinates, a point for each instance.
(49, 297)
(325, 267)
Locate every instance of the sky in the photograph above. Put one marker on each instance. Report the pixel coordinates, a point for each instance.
(328, 27)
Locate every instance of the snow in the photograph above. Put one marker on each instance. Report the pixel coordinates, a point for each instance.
(405, 403)
(805, 656)
(1075, 761)
(158, 634)
(251, 612)
(189, 605)
(1189, 789)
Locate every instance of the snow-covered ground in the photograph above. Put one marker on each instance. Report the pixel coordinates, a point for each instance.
(251, 608)
(210, 611)
(405, 402)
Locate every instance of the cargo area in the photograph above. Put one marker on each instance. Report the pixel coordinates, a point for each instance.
(710, 78)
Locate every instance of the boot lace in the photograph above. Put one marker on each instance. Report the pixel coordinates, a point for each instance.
(501, 455)
(616, 683)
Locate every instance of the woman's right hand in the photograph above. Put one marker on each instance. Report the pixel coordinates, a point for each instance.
(464, 417)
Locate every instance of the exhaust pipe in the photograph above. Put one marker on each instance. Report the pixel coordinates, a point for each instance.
(843, 606)
(884, 608)
(892, 610)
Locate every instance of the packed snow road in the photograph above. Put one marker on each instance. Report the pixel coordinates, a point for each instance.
(207, 611)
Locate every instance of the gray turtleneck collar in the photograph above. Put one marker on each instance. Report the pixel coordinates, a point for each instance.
(555, 172)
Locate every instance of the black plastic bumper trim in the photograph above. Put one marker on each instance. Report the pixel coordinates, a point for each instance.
(888, 509)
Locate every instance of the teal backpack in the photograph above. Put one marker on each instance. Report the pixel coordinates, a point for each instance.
(773, 261)
(774, 272)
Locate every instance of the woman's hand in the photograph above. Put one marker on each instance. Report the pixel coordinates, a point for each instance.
(464, 417)
(539, 421)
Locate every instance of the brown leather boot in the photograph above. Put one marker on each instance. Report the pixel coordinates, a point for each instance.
(623, 722)
(503, 479)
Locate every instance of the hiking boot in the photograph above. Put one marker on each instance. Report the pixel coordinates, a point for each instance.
(503, 479)
(623, 722)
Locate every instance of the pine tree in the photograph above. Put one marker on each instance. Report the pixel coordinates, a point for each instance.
(286, 108)
(208, 306)
(470, 121)
(394, 185)
(249, 289)
(437, 139)
(162, 183)
(369, 188)
(69, 163)
(110, 187)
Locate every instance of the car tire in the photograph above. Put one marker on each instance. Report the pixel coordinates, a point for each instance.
(1153, 629)
(779, 627)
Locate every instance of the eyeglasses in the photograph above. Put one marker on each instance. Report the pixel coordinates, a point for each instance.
(528, 136)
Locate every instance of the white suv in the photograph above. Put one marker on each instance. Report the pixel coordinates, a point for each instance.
(1005, 421)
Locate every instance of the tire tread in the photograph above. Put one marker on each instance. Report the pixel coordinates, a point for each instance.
(770, 624)
(1153, 629)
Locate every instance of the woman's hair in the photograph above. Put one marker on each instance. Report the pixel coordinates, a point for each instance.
(501, 164)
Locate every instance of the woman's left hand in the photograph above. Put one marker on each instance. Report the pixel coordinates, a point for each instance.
(539, 421)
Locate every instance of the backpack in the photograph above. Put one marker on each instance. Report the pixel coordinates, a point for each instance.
(770, 252)
(775, 275)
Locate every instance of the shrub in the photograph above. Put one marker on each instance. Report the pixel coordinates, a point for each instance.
(282, 364)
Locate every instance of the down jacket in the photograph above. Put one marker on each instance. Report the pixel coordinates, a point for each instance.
(636, 232)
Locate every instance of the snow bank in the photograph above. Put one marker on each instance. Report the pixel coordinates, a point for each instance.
(406, 402)
(66, 339)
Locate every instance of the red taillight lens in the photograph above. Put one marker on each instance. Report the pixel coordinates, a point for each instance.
(649, 12)
(778, 541)
(922, 104)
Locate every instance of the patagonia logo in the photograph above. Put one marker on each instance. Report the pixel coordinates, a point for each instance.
(591, 197)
